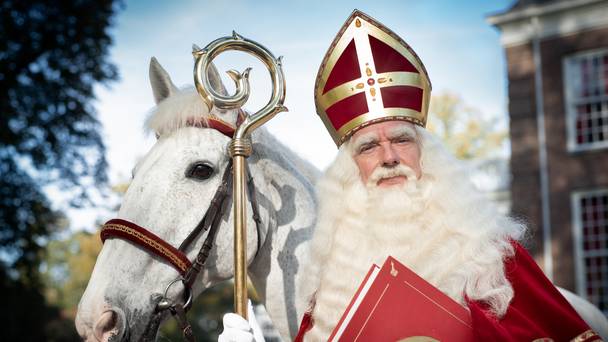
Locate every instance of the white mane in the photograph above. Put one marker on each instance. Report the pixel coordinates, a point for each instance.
(175, 111)
(179, 109)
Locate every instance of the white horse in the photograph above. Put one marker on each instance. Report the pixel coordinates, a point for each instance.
(169, 200)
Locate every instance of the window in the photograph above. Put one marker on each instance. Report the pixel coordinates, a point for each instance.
(586, 89)
(590, 218)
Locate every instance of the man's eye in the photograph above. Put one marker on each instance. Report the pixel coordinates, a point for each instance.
(403, 140)
(366, 148)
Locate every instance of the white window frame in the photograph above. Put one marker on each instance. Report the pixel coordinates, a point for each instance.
(577, 233)
(569, 81)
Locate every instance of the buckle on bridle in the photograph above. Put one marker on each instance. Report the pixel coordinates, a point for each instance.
(166, 304)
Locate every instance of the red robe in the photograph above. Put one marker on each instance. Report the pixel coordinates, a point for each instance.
(537, 311)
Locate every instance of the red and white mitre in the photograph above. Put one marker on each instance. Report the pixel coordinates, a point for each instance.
(368, 75)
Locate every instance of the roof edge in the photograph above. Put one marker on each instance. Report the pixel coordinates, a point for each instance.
(508, 16)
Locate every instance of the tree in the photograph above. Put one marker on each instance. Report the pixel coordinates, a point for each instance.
(51, 56)
(464, 130)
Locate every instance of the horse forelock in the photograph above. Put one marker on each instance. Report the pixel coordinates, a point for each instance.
(181, 110)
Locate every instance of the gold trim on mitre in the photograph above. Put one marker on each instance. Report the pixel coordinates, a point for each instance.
(397, 78)
(357, 27)
(363, 120)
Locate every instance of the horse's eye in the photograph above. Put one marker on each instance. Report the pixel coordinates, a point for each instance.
(199, 171)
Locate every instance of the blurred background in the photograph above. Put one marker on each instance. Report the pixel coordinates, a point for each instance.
(520, 91)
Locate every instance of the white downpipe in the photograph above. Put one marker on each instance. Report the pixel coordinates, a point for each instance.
(542, 151)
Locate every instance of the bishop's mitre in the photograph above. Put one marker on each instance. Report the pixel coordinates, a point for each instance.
(368, 75)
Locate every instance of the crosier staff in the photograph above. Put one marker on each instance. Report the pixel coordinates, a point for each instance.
(240, 146)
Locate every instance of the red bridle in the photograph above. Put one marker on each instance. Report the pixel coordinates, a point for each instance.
(125, 230)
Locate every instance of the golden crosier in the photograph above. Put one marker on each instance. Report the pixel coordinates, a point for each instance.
(240, 146)
(203, 58)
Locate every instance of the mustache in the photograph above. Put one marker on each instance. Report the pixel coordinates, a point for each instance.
(382, 172)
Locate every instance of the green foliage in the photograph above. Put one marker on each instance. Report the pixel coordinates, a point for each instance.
(52, 54)
(464, 130)
(67, 268)
(24, 318)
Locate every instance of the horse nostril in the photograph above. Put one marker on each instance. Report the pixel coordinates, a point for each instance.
(107, 325)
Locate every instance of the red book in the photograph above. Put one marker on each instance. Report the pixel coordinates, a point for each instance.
(393, 303)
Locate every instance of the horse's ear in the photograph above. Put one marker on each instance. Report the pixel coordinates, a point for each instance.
(162, 86)
(215, 80)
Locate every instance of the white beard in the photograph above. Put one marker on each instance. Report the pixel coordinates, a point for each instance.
(437, 226)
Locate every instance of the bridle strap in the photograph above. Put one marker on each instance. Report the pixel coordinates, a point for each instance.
(255, 208)
(211, 222)
(179, 313)
(215, 208)
(144, 238)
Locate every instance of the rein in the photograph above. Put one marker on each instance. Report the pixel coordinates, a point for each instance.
(176, 257)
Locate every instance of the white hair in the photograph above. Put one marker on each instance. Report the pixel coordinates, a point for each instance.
(180, 110)
(439, 226)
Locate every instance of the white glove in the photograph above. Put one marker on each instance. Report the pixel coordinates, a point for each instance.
(237, 329)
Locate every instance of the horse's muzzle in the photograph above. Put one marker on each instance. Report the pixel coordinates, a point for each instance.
(110, 325)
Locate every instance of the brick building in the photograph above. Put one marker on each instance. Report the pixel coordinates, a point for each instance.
(557, 66)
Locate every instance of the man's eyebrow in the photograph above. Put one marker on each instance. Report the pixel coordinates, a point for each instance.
(364, 139)
(402, 131)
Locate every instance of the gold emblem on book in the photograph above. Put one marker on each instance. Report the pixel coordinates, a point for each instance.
(393, 270)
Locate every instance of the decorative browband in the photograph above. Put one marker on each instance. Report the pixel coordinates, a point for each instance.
(218, 124)
(118, 228)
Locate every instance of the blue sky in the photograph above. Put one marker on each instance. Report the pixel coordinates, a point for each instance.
(460, 50)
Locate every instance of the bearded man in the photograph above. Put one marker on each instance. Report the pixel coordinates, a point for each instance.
(394, 190)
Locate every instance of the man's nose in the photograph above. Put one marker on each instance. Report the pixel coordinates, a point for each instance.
(390, 158)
